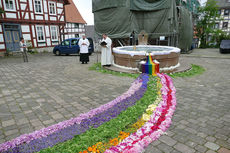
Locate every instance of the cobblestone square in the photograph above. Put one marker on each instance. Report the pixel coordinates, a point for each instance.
(50, 89)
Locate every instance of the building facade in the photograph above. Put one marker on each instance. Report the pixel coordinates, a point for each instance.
(40, 22)
(75, 24)
(224, 10)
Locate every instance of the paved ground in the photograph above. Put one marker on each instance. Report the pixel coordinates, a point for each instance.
(50, 89)
(202, 119)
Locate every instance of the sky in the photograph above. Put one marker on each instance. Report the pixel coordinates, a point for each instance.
(85, 8)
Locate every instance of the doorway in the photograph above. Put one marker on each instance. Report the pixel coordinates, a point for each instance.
(12, 33)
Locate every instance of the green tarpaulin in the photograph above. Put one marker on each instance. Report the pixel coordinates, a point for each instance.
(185, 29)
(149, 5)
(120, 18)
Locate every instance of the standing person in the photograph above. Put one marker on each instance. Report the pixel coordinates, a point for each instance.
(106, 51)
(23, 49)
(84, 52)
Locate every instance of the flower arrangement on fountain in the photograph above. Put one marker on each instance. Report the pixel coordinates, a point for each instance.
(127, 124)
(151, 66)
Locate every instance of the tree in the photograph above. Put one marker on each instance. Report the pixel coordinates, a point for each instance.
(208, 15)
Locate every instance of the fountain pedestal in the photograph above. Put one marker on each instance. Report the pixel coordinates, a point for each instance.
(168, 57)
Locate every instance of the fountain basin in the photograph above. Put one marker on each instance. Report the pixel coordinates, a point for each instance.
(127, 57)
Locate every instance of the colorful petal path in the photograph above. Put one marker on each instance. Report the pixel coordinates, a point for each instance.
(141, 115)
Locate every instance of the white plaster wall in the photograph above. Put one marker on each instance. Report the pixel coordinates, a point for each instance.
(62, 18)
(59, 11)
(17, 5)
(55, 43)
(23, 6)
(38, 17)
(25, 28)
(46, 16)
(47, 31)
(33, 32)
(53, 18)
(48, 42)
(35, 43)
(27, 16)
(2, 46)
(11, 15)
(19, 15)
(59, 5)
(31, 5)
(32, 16)
(26, 36)
(45, 6)
(41, 44)
(1, 38)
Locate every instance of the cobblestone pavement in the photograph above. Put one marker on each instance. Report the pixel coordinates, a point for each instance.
(50, 89)
(201, 122)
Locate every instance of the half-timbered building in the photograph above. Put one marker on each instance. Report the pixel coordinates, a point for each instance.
(75, 24)
(40, 22)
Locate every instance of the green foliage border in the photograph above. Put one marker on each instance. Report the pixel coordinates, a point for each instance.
(195, 70)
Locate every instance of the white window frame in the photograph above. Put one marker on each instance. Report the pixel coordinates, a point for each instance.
(55, 12)
(43, 32)
(40, 5)
(51, 33)
(7, 9)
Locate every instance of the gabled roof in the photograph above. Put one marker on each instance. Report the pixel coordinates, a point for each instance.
(72, 14)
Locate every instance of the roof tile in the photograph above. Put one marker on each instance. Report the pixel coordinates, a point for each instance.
(72, 14)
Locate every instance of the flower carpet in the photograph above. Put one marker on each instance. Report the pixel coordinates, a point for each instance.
(127, 124)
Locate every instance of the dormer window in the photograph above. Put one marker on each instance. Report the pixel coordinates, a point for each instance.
(9, 5)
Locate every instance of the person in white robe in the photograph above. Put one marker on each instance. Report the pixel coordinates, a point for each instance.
(84, 52)
(106, 51)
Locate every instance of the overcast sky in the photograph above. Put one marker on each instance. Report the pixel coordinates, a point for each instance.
(85, 8)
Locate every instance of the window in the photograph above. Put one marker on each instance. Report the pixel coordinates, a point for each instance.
(219, 12)
(76, 35)
(74, 42)
(52, 8)
(38, 6)
(65, 43)
(76, 25)
(226, 12)
(9, 5)
(40, 33)
(217, 26)
(54, 35)
(225, 25)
